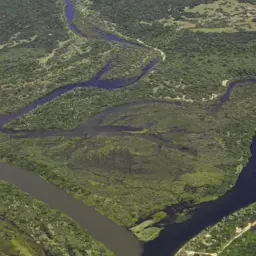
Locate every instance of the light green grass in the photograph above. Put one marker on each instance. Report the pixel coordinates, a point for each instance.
(22, 248)
(217, 17)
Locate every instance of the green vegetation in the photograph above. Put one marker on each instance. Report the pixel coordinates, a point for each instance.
(29, 228)
(206, 16)
(30, 22)
(145, 10)
(182, 152)
(51, 55)
(233, 235)
(144, 231)
(219, 16)
(130, 175)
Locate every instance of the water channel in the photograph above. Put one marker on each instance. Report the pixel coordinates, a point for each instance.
(115, 237)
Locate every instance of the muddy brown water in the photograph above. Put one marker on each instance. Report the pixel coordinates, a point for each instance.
(117, 238)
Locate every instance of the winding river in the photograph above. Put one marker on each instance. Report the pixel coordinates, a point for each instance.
(225, 97)
(70, 14)
(95, 82)
(117, 238)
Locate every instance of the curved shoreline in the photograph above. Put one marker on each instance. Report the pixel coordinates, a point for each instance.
(93, 124)
(70, 14)
(225, 97)
(232, 85)
(174, 236)
(115, 237)
(94, 82)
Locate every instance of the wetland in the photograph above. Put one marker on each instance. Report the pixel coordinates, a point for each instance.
(130, 134)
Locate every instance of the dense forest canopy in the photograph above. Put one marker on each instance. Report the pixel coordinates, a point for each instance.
(24, 20)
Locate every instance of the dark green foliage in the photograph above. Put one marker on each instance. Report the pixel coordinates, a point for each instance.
(29, 18)
(29, 226)
(225, 238)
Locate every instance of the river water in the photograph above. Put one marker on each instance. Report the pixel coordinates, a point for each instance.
(115, 237)
(226, 95)
(95, 82)
(175, 235)
(70, 15)
(232, 85)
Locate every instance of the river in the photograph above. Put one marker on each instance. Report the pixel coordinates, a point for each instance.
(70, 14)
(225, 97)
(115, 237)
(95, 82)
(175, 235)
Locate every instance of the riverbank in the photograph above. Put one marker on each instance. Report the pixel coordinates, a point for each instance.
(114, 237)
(241, 195)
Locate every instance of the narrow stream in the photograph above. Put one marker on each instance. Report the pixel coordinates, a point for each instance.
(117, 238)
(95, 82)
(226, 95)
(70, 15)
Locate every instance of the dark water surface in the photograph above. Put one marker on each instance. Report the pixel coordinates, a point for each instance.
(115, 237)
(232, 85)
(95, 82)
(175, 235)
(70, 14)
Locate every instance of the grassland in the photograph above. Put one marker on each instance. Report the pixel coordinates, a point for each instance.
(219, 16)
